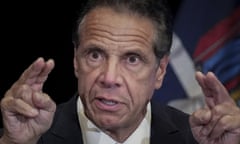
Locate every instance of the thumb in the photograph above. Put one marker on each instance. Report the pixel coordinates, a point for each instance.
(200, 117)
(43, 101)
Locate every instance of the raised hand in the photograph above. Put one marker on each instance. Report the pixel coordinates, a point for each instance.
(27, 111)
(219, 121)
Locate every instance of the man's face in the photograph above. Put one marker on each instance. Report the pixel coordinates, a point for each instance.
(116, 68)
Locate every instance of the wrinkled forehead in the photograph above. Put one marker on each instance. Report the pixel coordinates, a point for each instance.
(118, 21)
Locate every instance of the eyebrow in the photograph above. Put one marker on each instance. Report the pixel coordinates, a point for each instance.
(93, 48)
(138, 52)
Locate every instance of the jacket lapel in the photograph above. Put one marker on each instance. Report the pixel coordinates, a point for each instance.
(66, 128)
(163, 130)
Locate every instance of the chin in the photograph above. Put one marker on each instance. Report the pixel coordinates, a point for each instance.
(109, 122)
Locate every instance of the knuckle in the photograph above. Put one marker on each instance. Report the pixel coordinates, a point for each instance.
(225, 122)
(8, 104)
(217, 110)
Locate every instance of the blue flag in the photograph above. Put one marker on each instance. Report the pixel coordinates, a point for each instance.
(207, 38)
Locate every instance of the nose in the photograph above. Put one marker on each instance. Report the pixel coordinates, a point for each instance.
(110, 77)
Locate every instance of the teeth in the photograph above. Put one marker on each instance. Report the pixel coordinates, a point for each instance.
(109, 102)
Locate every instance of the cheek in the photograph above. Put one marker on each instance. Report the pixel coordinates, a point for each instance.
(145, 78)
(86, 80)
(144, 91)
(141, 86)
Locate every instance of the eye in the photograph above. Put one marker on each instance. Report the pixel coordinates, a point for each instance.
(95, 55)
(133, 59)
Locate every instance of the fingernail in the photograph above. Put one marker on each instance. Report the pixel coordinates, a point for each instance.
(34, 112)
(206, 117)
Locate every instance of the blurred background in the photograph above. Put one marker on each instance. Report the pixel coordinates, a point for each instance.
(206, 38)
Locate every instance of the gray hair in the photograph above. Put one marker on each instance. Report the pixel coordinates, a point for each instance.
(155, 11)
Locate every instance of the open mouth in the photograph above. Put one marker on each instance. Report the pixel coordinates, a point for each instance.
(108, 102)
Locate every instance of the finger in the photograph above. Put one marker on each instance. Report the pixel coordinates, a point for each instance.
(21, 95)
(36, 70)
(39, 80)
(215, 92)
(227, 123)
(200, 117)
(202, 82)
(44, 102)
(13, 107)
(219, 92)
(36, 74)
(32, 71)
(49, 65)
(218, 112)
(23, 92)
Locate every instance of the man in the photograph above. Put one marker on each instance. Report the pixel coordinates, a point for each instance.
(120, 58)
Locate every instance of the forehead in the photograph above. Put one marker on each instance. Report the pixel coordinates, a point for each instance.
(118, 23)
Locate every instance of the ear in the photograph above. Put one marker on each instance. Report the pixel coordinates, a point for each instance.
(75, 62)
(161, 71)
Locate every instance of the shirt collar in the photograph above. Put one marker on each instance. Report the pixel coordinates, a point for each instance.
(93, 135)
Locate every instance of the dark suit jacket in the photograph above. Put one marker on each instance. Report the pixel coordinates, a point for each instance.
(169, 126)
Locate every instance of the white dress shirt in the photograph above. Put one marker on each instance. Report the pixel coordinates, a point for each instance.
(93, 135)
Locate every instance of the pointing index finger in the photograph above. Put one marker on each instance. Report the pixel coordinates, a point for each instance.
(36, 74)
(214, 90)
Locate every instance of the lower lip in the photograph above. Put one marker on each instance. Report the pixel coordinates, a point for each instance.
(110, 108)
